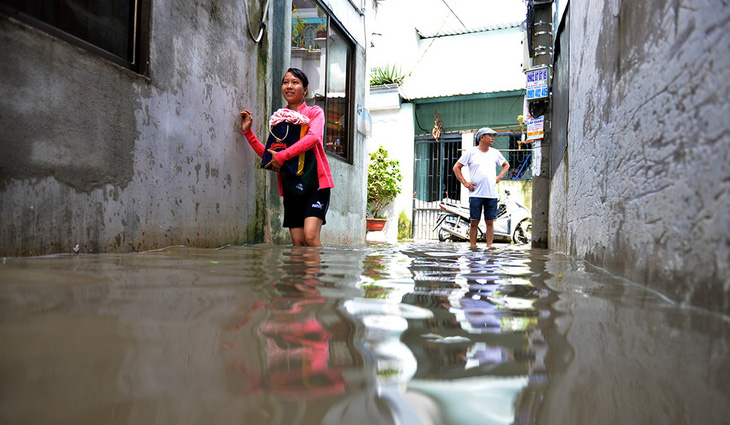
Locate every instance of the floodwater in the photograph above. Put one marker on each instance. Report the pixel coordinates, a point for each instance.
(415, 334)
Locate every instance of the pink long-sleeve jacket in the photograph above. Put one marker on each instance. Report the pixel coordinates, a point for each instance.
(312, 140)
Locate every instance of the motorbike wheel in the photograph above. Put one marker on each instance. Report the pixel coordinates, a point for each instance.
(444, 235)
(523, 232)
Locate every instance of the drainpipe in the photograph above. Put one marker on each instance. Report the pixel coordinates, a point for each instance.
(539, 22)
(280, 49)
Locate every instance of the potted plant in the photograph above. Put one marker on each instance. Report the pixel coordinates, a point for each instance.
(322, 31)
(297, 34)
(386, 76)
(384, 178)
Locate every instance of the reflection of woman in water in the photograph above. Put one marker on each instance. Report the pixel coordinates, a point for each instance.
(297, 344)
(306, 197)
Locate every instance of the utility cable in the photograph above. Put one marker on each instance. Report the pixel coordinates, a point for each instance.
(263, 22)
(454, 13)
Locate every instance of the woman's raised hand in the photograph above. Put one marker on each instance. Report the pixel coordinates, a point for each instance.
(246, 121)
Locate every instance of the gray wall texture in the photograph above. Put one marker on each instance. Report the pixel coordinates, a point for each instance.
(643, 189)
(97, 156)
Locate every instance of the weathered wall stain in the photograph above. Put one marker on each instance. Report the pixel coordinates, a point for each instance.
(43, 133)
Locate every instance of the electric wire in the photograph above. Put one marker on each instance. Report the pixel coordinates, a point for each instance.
(257, 38)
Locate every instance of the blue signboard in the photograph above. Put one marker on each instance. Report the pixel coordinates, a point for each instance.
(538, 80)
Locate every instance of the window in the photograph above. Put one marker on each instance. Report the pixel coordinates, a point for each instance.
(114, 29)
(434, 162)
(322, 49)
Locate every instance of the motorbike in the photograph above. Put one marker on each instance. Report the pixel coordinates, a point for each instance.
(513, 222)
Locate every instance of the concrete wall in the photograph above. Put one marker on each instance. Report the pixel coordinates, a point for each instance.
(393, 130)
(97, 156)
(643, 189)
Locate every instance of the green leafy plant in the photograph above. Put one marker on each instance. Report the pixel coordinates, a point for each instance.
(384, 178)
(386, 75)
(404, 226)
(322, 30)
(298, 28)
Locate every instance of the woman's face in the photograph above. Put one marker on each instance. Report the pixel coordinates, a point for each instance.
(292, 89)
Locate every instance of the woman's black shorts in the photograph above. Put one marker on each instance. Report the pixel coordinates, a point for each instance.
(312, 204)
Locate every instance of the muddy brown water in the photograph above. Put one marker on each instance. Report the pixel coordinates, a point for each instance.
(417, 333)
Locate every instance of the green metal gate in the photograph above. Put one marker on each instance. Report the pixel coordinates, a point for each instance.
(433, 180)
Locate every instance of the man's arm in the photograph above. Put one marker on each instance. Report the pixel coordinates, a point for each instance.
(460, 176)
(505, 167)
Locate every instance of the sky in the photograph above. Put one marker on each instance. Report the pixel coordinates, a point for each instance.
(431, 15)
(396, 21)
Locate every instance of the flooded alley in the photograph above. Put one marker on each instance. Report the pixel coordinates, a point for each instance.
(421, 333)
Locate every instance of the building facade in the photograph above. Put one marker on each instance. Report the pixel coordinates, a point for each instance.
(121, 127)
(463, 71)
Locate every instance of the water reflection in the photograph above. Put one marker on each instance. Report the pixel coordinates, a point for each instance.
(296, 353)
(476, 351)
(424, 333)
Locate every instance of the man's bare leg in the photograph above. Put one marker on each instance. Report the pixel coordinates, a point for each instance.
(473, 228)
(490, 232)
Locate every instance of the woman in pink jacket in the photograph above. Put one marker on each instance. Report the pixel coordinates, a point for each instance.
(306, 196)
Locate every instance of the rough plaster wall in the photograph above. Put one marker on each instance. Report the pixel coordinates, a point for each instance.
(557, 219)
(346, 215)
(95, 155)
(646, 195)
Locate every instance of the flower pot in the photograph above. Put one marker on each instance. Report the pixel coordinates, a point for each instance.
(376, 224)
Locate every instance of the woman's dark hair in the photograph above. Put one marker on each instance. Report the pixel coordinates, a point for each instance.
(299, 74)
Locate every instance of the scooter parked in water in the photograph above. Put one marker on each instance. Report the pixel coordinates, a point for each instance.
(513, 222)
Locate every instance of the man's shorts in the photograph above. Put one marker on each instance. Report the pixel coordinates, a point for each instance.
(476, 205)
(312, 204)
